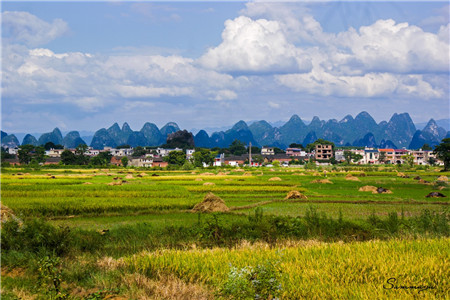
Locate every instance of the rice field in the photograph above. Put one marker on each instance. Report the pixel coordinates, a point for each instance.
(139, 223)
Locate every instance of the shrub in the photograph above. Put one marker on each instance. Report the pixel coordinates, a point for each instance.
(260, 282)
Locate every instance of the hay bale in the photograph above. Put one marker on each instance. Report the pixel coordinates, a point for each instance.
(198, 179)
(211, 203)
(143, 174)
(207, 174)
(424, 182)
(325, 181)
(275, 179)
(402, 175)
(442, 178)
(209, 183)
(368, 188)
(316, 174)
(381, 190)
(129, 176)
(295, 195)
(435, 195)
(115, 183)
(351, 177)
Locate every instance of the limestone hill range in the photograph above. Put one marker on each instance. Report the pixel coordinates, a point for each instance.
(360, 131)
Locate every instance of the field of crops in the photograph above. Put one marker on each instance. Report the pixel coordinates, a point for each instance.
(141, 223)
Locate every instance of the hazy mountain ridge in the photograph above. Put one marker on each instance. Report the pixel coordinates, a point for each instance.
(362, 130)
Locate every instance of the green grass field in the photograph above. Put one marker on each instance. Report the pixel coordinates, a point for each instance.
(146, 231)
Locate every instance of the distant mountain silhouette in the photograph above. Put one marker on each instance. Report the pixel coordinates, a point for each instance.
(362, 131)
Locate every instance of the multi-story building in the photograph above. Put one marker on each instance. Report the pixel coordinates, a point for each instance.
(388, 157)
(323, 152)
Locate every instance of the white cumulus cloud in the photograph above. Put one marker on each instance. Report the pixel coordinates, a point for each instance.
(254, 46)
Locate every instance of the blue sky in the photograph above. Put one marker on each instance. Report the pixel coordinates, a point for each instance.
(83, 66)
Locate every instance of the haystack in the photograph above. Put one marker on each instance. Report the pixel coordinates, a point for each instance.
(129, 176)
(247, 174)
(295, 195)
(442, 178)
(424, 182)
(322, 181)
(198, 179)
(143, 174)
(402, 175)
(115, 183)
(368, 188)
(381, 190)
(351, 177)
(239, 170)
(211, 203)
(207, 174)
(87, 183)
(316, 174)
(209, 183)
(275, 179)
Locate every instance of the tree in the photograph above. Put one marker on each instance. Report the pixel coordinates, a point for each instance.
(409, 159)
(348, 156)
(382, 157)
(276, 163)
(51, 145)
(203, 156)
(25, 154)
(442, 152)
(426, 147)
(102, 159)
(295, 145)
(277, 150)
(176, 158)
(237, 148)
(68, 158)
(139, 151)
(80, 158)
(351, 156)
(6, 155)
(124, 161)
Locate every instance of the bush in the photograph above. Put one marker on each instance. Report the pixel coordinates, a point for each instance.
(35, 236)
(260, 282)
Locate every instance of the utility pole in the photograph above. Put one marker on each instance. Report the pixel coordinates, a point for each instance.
(250, 153)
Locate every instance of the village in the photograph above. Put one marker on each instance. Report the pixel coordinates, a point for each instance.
(320, 154)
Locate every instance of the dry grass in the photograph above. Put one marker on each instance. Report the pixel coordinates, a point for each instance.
(165, 287)
(325, 181)
(275, 179)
